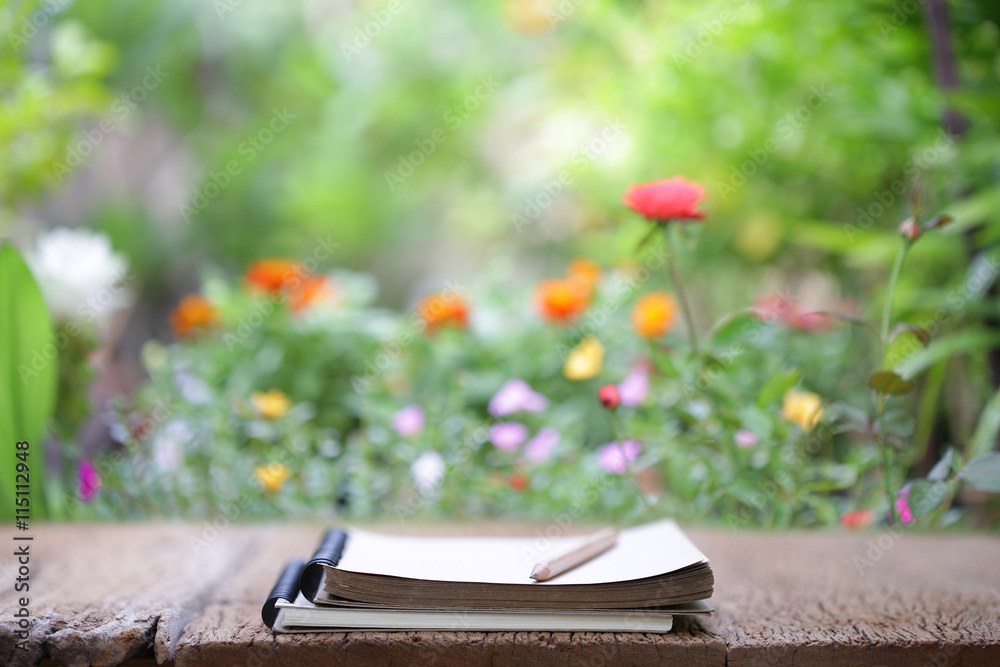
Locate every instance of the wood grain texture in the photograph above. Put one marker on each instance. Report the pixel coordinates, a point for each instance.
(107, 594)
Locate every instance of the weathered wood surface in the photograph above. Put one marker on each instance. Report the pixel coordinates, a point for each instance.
(104, 594)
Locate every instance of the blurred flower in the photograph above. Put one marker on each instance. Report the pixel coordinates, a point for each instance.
(615, 457)
(78, 272)
(508, 435)
(168, 445)
(909, 229)
(272, 476)
(634, 388)
(270, 404)
(529, 16)
(442, 309)
(803, 408)
(653, 314)
(608, 396)
(274, 275)
(192, 313)
(518, 482)
(780, 308)
(313, 291)
(88, 482)
(409, 421)
(540, 447)
(561, 299)
(584, 361)
(585, 273)
(427, 470)
(745, 438)
(856, 519)
(902, 504)
(669, 199)
(516, 395)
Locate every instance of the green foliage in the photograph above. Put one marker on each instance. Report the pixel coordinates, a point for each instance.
(28, 385)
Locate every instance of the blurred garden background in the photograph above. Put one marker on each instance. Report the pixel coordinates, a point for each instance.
(293, 254)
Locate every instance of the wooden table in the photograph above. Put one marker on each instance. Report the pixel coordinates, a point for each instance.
(190, 595)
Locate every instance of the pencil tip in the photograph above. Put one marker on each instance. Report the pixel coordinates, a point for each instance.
(532, 575)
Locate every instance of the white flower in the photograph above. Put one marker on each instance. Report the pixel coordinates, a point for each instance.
(168, 445)
(427, 471)
(79, 274)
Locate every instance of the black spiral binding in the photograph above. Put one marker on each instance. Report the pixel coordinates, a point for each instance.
(328, 553)
(287, 588)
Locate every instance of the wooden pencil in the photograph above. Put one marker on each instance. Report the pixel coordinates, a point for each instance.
(595, 545)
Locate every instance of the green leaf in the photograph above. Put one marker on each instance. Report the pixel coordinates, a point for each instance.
(941, 469)
(925, 496)
(27, 376)
(903, 345)
(737, 328)
(983, 472)
(947, 346)
(776, 387)
(889, 383)
(987, 428)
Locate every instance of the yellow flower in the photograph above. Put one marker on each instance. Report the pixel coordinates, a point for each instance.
(272, 476)
(803, 408)
(270, 404)
(584, 360)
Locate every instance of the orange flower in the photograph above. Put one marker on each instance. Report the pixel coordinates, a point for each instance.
(653, 314)
(444, 308)
(193, 312)
(560, 300)
(586, 273)
(313, 290)
(274, 275)
(856, 519)
(518, 482)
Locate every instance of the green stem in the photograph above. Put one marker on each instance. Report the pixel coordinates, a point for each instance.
(880, 439)
(890, 290)
(679, 286)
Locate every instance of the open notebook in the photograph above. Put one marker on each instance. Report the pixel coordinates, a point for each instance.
(359, 579)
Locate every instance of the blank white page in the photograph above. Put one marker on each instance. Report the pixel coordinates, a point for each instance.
(643, 551)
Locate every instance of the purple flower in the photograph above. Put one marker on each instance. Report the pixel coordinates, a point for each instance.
(903, 507)
(539, 448)
(409, 421)
(634, 388)
(745, 438)
(516, 395)
(508, 435)
(615, 457)
(88, 482)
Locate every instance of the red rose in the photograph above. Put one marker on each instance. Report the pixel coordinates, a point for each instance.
(670, 199)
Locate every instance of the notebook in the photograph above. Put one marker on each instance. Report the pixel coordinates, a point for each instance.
(365, 580)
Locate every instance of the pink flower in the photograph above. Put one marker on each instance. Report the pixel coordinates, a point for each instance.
(508, 435)
(615, 457)
(903, 507)
(669, 199)
(745, 438)
(634, 388)
(409, 421)
(539, 448)
(88, 482)
(515, 395)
